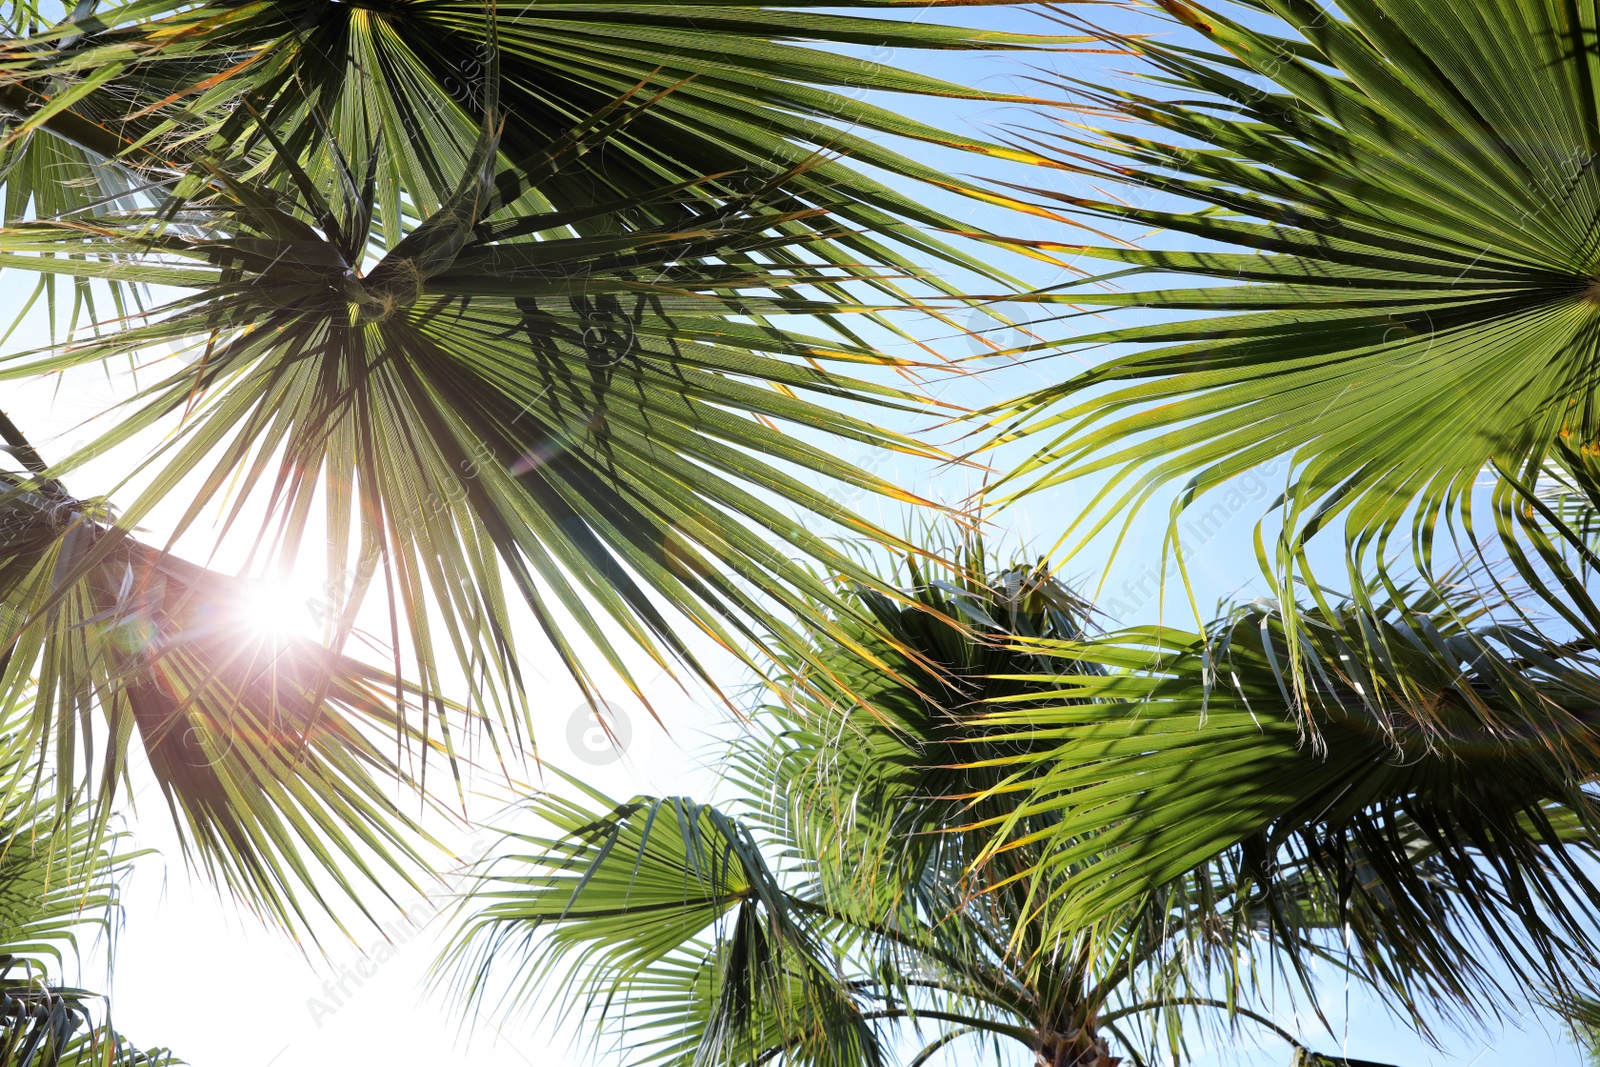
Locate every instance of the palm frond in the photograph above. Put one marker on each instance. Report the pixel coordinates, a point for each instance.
(1430, 790)
(107, 1048)
(53, 1026)
(751, 96)
(61, 881)
(601, 416)
(870, 762)
(269, 749)
(849, 835)
(662, 919)
(1382, 258)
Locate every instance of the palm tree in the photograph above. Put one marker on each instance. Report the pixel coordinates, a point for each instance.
(844, 903)
(625, 382)
(1437, 807)
(510, 298)
(1378, 262)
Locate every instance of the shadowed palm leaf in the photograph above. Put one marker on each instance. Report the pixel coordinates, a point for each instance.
(268, 748)
(51, 1026)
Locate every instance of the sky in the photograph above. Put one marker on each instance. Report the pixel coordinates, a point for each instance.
(196, 973)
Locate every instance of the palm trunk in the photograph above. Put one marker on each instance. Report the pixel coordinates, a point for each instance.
(1074, 1048)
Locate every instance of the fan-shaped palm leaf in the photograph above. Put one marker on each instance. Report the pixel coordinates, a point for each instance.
(1384, 244)
(876, 755)
(148, 84)
(599, 415)
(620, 904)
(268, 748)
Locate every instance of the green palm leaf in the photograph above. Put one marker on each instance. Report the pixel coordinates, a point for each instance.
(269, 749)
(590, 393)
(600, 415)
(149, 84)
(1430, 790)
(621, 906)
(875, 752)
(106, 1048)
(51, 1026)
(849, 835)
(61, 877)
(1384, 261)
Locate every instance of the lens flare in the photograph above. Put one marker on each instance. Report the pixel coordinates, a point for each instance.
(278, 610)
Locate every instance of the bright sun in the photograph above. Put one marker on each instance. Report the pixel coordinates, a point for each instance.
(279, 609)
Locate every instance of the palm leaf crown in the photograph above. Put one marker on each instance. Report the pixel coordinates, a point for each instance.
(850, 883)
(1419, 808)
(514, 321)
(1380, 256)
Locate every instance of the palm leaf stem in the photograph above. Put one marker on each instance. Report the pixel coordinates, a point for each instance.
(1016, 1033)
